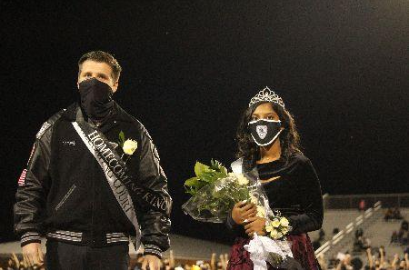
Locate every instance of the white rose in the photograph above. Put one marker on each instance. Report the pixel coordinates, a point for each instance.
(261, 211)
(269, 227)
(284, 222)
(275, 223)
(253, 199)
(130, 147)
(243, 181)
(273, 234)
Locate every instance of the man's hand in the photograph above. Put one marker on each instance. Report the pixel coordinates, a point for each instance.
(33, 255)
(151, 262)
(255, 225)
(242, 211)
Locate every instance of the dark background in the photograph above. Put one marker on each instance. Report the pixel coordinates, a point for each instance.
(190, 68)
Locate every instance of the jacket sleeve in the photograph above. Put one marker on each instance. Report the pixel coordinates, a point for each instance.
(29, 209)
(234, 228)
(155, 225)
(311, 201)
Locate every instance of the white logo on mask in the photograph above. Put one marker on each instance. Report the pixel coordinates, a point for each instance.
(262, 131)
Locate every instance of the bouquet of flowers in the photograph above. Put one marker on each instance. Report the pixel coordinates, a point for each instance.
(215, 191)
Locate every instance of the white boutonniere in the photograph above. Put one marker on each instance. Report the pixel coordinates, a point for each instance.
(128, 146)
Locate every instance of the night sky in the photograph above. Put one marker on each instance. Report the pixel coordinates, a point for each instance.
(190, 68)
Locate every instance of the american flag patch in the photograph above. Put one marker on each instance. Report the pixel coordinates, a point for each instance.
(22, 179)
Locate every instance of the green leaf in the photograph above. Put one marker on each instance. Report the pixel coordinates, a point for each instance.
(209, 176)
(215, 165)
(224, 171)
(121, 139)
(200, 168)
(191, 192)
(122, 136)
(192, 182)
(192, 185)
(219, 175)
(218, 166)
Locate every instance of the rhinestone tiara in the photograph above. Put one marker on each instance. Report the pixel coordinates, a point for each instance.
(267, 95)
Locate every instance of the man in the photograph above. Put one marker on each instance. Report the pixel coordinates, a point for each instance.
(93, 178)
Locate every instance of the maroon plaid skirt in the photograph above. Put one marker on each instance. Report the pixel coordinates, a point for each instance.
(301, 248)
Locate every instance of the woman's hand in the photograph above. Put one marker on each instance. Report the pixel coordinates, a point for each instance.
(243, 211)
(255, 225)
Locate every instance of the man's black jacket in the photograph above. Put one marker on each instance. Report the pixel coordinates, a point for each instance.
(64, 188)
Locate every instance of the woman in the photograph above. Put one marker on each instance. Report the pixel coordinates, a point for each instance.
(268, 141)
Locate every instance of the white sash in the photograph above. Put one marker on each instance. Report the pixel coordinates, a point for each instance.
(118, 188)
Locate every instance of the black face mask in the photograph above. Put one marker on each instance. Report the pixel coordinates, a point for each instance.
(264, 132)
(96, 99)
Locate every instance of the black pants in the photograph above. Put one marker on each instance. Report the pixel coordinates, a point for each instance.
(64, 256)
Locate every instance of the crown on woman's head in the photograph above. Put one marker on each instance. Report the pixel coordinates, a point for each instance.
(267, 95)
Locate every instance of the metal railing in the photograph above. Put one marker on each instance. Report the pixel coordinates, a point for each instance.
(344, 236)
(400, 200)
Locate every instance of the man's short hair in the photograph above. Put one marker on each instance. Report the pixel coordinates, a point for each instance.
(102, 57)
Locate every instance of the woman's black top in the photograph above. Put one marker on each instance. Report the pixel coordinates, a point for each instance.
(295, 191)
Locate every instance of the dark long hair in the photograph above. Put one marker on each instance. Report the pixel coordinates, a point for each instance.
(289, 137)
